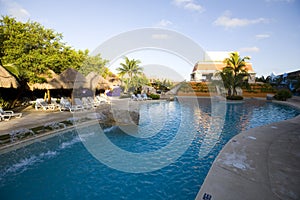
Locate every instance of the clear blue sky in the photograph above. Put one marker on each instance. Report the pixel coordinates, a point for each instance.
(266, 30)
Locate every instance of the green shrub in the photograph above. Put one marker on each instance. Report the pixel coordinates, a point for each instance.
(4, 103)
(283, 95)
(154, 96)
(234, 98)
(122, 96)
(267, 88)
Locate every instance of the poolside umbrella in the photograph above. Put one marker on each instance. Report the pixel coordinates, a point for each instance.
(92, 80)
(114, 80)
(95, 81)
(49, 75)
(103, 83)
(69, 79)
(7, 80)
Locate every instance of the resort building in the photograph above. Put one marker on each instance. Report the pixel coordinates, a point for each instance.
(212, 62)
(288, 80)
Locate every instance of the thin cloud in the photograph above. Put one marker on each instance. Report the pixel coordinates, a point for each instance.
(286, 1)
(249, 49)
(229, 22)
(181, 2)
(16, 10)
(190, 5)
(262, 36)
(164, 23)
(178, 2)
(193, 7)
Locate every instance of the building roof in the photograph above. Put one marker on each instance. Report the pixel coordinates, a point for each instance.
(204, 66)
(68, 79)
(94, 80)
(213, 60)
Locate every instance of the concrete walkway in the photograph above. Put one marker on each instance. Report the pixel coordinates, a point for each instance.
(261, 163)
(32, 118)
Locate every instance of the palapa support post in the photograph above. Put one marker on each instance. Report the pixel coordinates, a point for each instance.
(49, 96)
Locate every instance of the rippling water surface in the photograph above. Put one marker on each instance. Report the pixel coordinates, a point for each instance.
(62, 168)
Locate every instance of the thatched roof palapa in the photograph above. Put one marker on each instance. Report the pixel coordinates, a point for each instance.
(49, 75)
(69, 79)
(95, 81)
(7, 80)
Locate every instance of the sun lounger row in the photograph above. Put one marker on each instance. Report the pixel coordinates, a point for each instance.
(42, 104)
(65, 105)
(140, 97)
(8, 114)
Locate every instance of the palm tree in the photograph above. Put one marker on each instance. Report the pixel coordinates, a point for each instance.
(234, 72)
(227, 80)
(130, 68)
(139, 81)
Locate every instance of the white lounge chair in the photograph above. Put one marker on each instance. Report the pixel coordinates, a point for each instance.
(93, 102)
(85, 102)
(66, 105)
(8, 114)
(41, 103)
(78, 102)
(54, 103)
(145, 97)
(102, 99)
(133, 97)
(139, 97)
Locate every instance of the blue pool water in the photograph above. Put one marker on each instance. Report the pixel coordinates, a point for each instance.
(62, 168)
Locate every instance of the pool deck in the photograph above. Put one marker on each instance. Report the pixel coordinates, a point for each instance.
(32, 118)
(260, 163)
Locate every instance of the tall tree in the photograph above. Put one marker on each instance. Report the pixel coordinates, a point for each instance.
(234, 72)
(95, 64)
(34, 49)
(227, 80)
(132, 69)
(28, 50)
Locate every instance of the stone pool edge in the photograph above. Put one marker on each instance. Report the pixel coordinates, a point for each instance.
(260, 163)
(25, 142)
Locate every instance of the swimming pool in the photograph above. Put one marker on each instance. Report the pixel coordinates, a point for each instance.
(62, 168)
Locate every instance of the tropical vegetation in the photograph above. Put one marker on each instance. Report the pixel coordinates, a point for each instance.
(234, 73)
(95, 64)
(283, 95)
(163, 85)
(29, 50)
(132, 75)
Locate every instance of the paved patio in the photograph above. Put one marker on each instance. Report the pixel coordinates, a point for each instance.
(261, 163)
(32, 118)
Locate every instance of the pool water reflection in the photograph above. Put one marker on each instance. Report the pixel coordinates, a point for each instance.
(62, 168)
